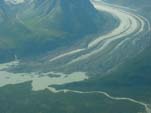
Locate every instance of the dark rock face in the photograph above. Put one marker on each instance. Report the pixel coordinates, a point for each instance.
(67, 15)
(43, 25)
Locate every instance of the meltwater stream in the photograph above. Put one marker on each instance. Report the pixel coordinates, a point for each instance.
(130, 25)
(44, 81)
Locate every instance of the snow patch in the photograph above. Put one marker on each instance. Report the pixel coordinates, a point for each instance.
(15, 1)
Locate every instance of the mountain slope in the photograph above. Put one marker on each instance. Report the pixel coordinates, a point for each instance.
(35, 27)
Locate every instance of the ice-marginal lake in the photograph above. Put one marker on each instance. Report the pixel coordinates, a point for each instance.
(39, 81)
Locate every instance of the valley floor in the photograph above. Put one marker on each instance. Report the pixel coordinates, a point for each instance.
(58, 92)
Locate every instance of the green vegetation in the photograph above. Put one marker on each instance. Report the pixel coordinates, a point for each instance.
(20, 99)
(129, 79)
(32, 29)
